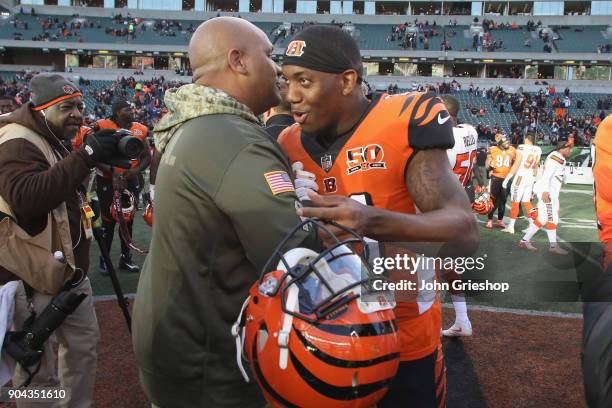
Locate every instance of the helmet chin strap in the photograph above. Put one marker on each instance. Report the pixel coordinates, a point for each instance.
(238, 330)
(283, 335)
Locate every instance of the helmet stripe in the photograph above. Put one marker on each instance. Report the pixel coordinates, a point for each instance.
(262, 379)
(345, 393)
(361, 330)
(331, 360)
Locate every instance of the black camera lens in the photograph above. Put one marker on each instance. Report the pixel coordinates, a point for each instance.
(130, 147)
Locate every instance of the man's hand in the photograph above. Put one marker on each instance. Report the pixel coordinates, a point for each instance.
(304, 181)
(342, 210)
(102, 146)
(546, 197)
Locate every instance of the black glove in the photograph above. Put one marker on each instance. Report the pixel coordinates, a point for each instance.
(102, 148)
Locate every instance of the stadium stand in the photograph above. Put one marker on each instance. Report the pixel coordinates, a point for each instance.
(580, 39)
(370, 36)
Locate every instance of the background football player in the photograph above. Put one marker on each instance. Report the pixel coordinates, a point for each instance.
(110, 178)
(500, 160)
(524, 170)
(462, 158)
(547, 189)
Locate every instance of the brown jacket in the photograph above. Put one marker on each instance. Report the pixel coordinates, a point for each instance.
(33, 189)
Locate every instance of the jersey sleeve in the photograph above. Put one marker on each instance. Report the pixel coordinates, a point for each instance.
(551, 166)
(429, 123)
(258, 194)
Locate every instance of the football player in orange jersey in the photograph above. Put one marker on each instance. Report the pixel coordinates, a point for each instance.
(597, 294)
(108, 179)
(602, 173)
(500, 160)
(376, 164)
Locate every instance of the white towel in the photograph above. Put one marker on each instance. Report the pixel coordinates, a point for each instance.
(7, 309)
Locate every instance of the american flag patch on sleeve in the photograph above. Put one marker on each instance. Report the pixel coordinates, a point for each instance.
(279, 182)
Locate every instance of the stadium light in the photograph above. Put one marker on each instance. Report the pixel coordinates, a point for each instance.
(488, 60)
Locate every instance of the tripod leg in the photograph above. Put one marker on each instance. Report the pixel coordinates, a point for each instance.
(123, 302)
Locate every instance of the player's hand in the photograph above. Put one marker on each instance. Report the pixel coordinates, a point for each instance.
(546, 197)
(342, 210)
(505, 183)
(152, 192)
(304, 181)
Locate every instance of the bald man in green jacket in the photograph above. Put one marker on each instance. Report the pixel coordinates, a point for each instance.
(224, 200)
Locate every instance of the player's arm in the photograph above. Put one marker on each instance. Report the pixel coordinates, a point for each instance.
(514, 169)
(445, 215)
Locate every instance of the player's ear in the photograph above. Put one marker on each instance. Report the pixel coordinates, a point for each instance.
(350, 79)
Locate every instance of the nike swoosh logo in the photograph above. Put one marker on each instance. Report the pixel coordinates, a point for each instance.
(442, 121)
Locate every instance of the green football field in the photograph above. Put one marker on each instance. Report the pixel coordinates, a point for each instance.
(538, 281)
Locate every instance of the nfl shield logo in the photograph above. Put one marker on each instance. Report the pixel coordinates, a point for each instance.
(326, 162)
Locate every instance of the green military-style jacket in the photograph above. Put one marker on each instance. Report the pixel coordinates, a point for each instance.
(217, 221)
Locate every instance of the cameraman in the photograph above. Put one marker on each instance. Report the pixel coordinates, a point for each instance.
(41, 193)
(109, 179)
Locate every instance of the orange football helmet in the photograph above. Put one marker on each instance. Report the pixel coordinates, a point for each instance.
(128, 207)
(483, 204)
(314, 335)
(148, 214)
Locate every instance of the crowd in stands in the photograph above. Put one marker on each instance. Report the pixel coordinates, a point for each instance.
(146, 96)
(55, 28)
(415, 35)
(533, 112)
(562, 114)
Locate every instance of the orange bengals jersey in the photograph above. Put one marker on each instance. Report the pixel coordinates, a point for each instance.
(369, 165)
(138, 130)
(602, 173)
(501, 160)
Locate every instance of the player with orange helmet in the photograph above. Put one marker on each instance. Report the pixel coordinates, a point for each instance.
(483, 203)
(313, 334)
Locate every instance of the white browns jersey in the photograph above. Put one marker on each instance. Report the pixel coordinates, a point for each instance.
(463, 154)
(553, 175)
(530, 160)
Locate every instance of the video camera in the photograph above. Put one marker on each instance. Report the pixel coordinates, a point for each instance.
(26, 346)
